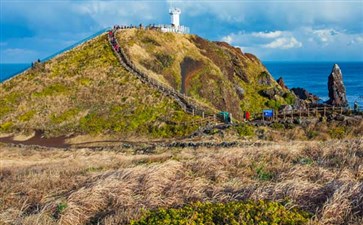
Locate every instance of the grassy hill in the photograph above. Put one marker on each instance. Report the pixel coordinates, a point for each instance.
(86, 91)
(212, 72)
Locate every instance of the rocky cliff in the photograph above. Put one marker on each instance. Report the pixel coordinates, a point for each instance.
(337, 92)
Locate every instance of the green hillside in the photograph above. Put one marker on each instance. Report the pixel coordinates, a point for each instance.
(86, 91)
(212, 72)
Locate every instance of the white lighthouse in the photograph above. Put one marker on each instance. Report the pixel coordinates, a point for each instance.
(175, 26)
(175, 13)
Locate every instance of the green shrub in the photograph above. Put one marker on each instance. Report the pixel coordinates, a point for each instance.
(277, 126)
(60, 209)
(52, 90)
(289, 98)
(67, 115)
(26, 116)
(165, 59)
(263, 174)
(311, 134)
(6, 127)
(273, 104)
(245, 130)
(4, 110)
(93, 123)
(337, 132)
(304, 161)
(261, 212)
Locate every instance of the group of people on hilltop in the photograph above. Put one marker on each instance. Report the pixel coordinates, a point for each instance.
(35, 63)
(148, 27)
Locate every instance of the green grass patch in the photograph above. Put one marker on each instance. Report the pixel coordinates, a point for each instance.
(289, 98)
(249, 212)
(27, 116)
(273, 104)
(337, 132)
(165, 59)
(64, 117)
(263, 174)
(52, 90)
(6, 127)
(245, 130)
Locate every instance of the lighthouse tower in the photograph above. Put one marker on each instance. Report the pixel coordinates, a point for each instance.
(175, 26)
(175, 13)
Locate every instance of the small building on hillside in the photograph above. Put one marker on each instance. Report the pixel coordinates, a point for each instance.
(175, 26)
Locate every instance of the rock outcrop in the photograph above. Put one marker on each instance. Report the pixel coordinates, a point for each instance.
(281, 82)
(337, 93)
(303, 94)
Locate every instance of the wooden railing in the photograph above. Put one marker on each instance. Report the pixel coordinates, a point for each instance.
(319, 111)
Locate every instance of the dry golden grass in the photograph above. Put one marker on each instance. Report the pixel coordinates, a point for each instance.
(54, 186)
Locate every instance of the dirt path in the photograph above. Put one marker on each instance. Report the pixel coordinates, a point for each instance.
(38, 139)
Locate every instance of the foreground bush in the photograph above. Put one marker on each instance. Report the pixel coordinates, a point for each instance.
(260, 212)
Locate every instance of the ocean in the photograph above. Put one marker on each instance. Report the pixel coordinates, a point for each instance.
(9, 70)
(313, 76)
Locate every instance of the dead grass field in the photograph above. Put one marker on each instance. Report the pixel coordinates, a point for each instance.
(54, 186)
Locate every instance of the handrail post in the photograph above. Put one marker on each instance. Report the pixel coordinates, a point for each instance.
(324, 111)
(308, 112)
(283, 112)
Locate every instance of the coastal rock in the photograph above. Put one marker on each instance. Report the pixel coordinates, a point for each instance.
(337, 92)
(286, 108)
(240, 91)
(303, 94)
(281, 82)
(270, 93)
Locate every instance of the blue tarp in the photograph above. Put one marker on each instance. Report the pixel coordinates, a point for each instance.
(268, 113)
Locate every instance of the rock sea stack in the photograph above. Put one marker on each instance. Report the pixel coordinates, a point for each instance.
(337, 92)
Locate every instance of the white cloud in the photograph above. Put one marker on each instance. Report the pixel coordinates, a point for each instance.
(284, 43)
(324, 36)
(272, 34)
(17, 51)
(318, 44)
(356, 40)
(273, 39)
(227, 39)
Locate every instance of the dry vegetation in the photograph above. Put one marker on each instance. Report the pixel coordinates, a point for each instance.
(53, 186)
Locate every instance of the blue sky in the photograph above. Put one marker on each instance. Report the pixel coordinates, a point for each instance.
(272, 30)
